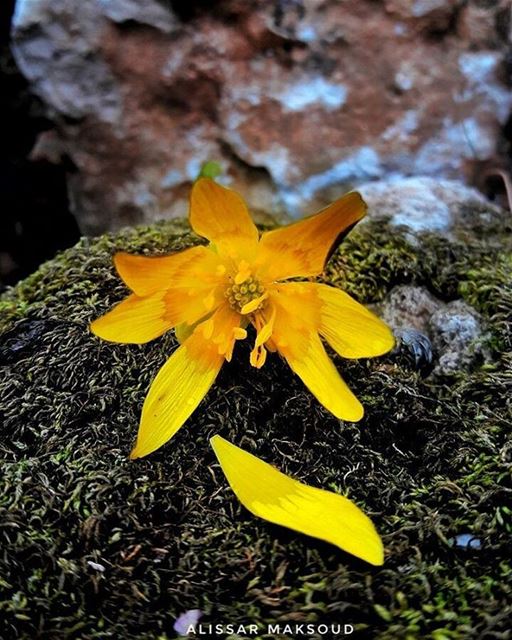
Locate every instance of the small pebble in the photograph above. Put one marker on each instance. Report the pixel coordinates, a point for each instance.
(185, 620)
(466, 541)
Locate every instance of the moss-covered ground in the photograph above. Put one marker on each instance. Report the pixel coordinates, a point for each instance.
(431, 460)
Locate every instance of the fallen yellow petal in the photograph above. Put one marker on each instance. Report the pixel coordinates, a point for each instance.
(273, 496)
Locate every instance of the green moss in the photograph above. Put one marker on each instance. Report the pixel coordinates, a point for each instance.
(429, 461)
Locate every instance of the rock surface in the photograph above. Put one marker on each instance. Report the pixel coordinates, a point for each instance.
(297, 100)
(97, 546)
(408, 306)
(443, 207)
(454, 328)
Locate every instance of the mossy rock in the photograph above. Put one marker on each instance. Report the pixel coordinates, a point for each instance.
(431, 460)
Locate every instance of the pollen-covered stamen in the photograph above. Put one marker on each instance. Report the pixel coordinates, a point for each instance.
(263, 323)
(241, 295)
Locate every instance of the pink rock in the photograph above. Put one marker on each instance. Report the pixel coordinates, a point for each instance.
(298, 101)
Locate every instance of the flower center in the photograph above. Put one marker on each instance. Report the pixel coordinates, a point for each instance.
(240, 295)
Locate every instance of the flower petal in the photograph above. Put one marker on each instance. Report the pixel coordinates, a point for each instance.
(321, 377)
(192, 281)
(295, 334)
(146, 275)
(177, 390)
(184, 380)
(303, 248)
(221, 216)
(352, 330)
(281, 500)
(134, 320)
(183, 331)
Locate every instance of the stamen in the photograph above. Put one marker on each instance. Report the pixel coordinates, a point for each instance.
(244, 272)
(253, 304)
(264, 333)
(258, 357)
(247, 296)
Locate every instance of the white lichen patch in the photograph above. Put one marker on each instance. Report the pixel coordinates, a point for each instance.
(405, 78)
(171, 179)
(478, 66)
(480, 70)
(422, 8)
(455, 142)
(306, 33)
(420, 203)
(306, 92)
(363, 164)
(402, 129)
(294, 93)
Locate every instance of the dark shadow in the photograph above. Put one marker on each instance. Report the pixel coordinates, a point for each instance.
(35, 221)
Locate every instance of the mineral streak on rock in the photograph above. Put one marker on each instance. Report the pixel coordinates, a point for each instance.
(297, 100)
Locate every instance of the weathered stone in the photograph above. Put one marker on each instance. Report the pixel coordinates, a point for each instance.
(442, 207)
(298, 101)
(148, 12)
(455, 329)
(417, 346)
(427, 15)
(478, 25)
(408, 306)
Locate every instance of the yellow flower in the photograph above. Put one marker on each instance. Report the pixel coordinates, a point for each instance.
(211, 294)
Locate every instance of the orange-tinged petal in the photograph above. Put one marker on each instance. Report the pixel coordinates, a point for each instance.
(303, 248)
(223, 329)
(183, 331)
(146, 275)
(295, 334)
(134, 320)
(284, 501)
(196, 289)
(185, 379)
(352, 330)
(220, 215)
(189, 306)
